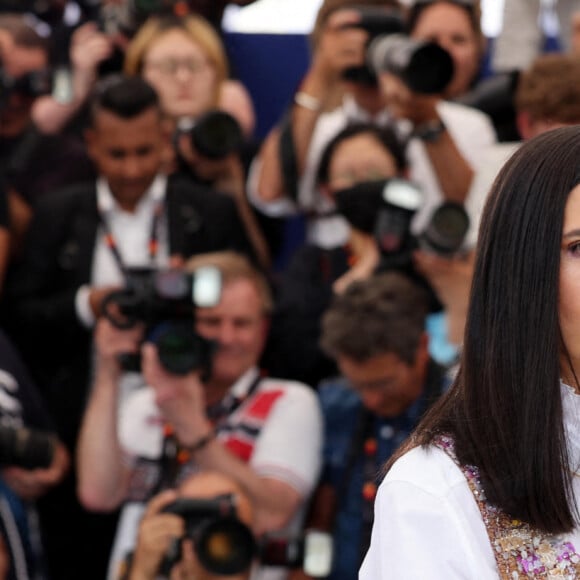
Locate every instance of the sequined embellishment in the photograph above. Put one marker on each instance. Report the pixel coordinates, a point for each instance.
(520, 550)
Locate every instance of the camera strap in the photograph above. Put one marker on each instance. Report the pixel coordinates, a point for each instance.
(112, 243)
(230, 403)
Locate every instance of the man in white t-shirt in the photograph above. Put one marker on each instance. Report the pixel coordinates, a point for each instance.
(263, 433)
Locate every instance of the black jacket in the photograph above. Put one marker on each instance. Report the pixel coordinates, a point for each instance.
(39, 307)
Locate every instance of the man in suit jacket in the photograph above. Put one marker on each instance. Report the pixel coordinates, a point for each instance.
(80, 245)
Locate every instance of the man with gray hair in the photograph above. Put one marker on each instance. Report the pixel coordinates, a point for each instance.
(376, 332)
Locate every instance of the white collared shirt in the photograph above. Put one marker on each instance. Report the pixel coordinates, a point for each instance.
(427, 523)
(131, 232)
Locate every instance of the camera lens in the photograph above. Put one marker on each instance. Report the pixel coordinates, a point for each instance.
(216, 135)
(425, 67)
(26, 448)
(447, 228)
(225, 546)
(179, 348)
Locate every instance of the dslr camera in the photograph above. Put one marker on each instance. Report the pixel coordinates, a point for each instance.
(215, 135)
(226, 546)
(31, 85)
(26, 448)
(165, 301)
(385, 209)
(424, 66)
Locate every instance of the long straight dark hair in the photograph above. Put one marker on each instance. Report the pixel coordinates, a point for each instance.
(504, 408)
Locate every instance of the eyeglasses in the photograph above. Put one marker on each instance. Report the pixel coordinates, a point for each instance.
(171, 66)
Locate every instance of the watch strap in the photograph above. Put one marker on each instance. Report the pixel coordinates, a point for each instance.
(429, 132)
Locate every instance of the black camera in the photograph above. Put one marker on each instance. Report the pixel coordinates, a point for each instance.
(425, 67)
(31, 85)
(225, 545)
(26, 448)
(56, 82)
(385, 209)
(214, 135)
(376, 21)
(164, 301)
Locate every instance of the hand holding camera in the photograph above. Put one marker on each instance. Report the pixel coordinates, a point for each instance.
(204, 535)
(157, 534)
(163, 303)
(181, 398)
(341, 45)
(186, 537)
(33, 461)
(211, 148)
(113, 344)
(403, 103)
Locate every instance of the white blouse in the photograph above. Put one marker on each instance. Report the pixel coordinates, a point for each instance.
(427, 523)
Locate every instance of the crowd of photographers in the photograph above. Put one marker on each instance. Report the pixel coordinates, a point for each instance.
(176, 400)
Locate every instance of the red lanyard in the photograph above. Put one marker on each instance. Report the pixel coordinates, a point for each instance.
(153, 239)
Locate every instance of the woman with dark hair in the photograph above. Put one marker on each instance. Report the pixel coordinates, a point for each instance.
(456, 26)
(488, 485)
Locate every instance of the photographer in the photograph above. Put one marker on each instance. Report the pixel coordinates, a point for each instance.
(159, 530)
(360, 153)
(32, 461)
(445, 139)
(209, 116)
(81, 242)
(211, 153)
(387, 382)
(36, 155)
(230, 420)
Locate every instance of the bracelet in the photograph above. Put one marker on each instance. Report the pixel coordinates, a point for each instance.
(307, 101)
(201, 443)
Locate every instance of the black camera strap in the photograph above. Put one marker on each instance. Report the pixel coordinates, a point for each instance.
(230, 403)
(153, 238)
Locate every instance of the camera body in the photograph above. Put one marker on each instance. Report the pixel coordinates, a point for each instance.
(385, 209)
(164, 301)
(225, 545)
(26, 448)
(375, 21)
(30, 85)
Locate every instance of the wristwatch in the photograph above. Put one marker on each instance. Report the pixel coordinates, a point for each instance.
(429, 132)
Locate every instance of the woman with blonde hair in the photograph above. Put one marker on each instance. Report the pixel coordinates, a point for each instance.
(184, 60)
